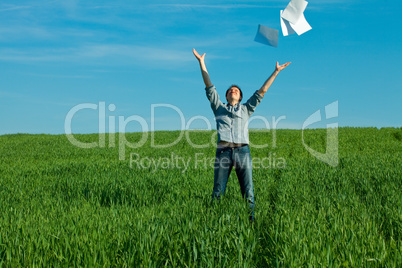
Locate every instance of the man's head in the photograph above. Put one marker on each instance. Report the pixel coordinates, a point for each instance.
(234, 94)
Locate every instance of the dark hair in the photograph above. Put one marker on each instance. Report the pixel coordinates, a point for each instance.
(241, 93)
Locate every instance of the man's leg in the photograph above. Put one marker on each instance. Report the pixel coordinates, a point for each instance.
(222, 168)
(244, 171)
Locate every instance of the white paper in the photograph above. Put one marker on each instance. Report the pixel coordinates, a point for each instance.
(301, 26)
(286, 28)
(294, 10)
(267, 36)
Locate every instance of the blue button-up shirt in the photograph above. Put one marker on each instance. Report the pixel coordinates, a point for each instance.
(232, 121)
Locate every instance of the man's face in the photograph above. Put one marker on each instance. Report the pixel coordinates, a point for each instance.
(233, 94)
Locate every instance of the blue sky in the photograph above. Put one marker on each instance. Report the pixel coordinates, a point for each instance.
(55, 55)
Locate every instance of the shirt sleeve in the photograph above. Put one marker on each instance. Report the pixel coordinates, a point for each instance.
(253, 102)
(213, 98)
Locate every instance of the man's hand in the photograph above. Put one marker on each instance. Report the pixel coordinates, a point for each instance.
(281, 67)
(199, 58)
(204, 72)
(271, 79)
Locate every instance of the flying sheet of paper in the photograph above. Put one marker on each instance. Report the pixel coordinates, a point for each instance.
(294, 10)
(286, 28)
(267, 36)
(301, 26)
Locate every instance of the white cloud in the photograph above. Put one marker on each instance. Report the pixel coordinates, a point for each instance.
(216, 6)
(136, 55)
(12, 7)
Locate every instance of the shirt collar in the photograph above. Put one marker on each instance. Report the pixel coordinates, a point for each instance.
(235, 106)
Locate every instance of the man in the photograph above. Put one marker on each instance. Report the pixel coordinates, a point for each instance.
(231, 124)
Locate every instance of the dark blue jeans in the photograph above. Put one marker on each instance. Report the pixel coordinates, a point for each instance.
(240, 159)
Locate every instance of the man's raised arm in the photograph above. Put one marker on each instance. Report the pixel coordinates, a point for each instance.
(271, 79)
(204, 71)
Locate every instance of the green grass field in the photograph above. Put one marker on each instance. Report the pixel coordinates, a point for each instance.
(65, 206)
